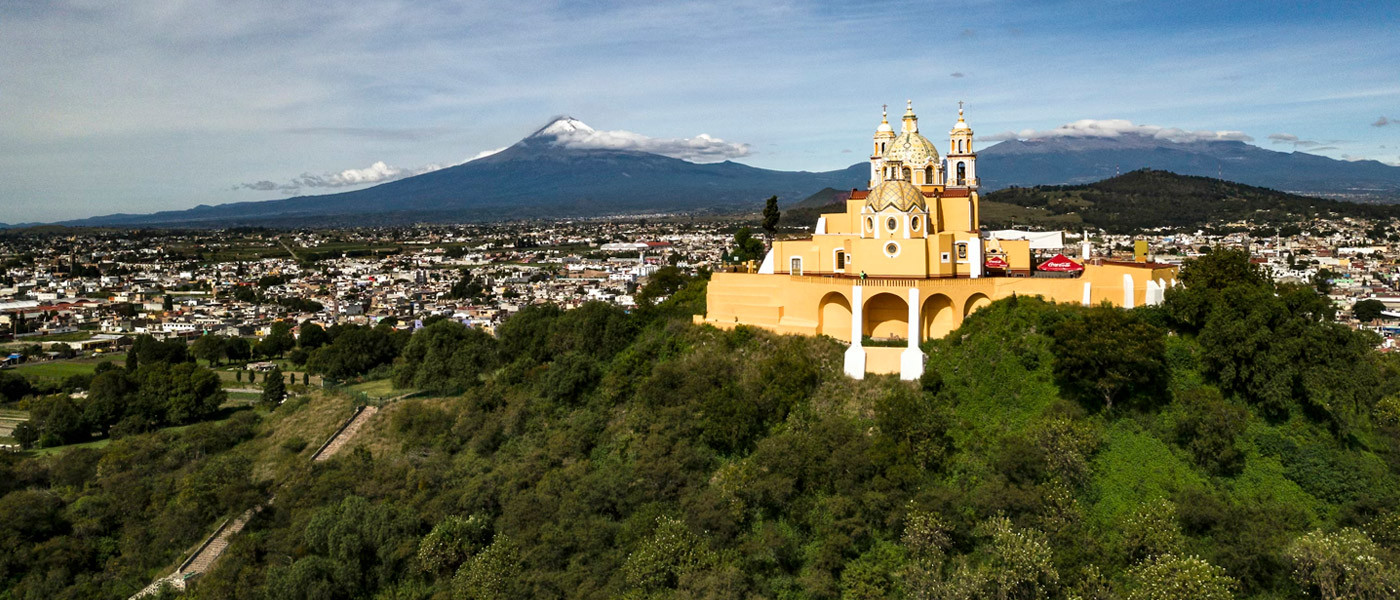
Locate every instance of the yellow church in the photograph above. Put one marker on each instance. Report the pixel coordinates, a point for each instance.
(908, 261)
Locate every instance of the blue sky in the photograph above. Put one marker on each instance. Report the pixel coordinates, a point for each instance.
(138, 106)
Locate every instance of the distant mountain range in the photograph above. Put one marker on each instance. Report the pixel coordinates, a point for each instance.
(1076, 160)
(542, 177)
(1146, 199)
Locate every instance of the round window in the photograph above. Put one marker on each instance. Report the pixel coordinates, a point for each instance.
(892, 249)
(914, 223)
(869, 223)
(891, 223)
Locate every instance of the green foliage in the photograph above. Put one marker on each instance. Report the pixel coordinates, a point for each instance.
(746, 246)
(1343, 564)
(466, 287)
(1367, 310)
(493, 574)
(99, 523)
(1171, 577)
(356, 351)
(311, 336)
(445, 356)
(452, 542)
(278, 341)
(1151, 531)
(209, 348)
(661, 284)
(1208, 427)
(771, 214)
(1274, 346)
(274, 389)
(606, 454)
(1109, 354)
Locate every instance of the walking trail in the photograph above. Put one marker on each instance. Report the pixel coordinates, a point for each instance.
(203, 558)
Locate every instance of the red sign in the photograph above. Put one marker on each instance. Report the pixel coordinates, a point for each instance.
(995, 262)
(1060, 263)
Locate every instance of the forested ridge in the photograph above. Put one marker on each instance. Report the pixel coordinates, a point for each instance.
(1230, 443)
(1147, 199)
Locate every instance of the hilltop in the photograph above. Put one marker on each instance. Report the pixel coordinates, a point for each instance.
(1148, 198)
(1227, 443)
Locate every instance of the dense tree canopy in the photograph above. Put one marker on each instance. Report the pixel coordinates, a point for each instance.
(596, 453)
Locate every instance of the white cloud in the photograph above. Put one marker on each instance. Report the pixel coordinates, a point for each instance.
(379, 172)
(570, 133)
(1110, 128)
(486, 153)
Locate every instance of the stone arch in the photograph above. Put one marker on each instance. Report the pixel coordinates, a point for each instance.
(938, 316)
(834, 316)
(886, 316)
(975, 303)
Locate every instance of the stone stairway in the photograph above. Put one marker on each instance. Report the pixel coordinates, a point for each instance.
(346, 434)
(203, 559)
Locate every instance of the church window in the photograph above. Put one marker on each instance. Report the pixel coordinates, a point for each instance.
(882, 147)
(928, 175)
(891, 224)
(891, 249)
(960, 146)
(796, 265)
(962, 173)
(840, 259)
(914, 223)
(962, 251)
(870, 223)
(907, 174)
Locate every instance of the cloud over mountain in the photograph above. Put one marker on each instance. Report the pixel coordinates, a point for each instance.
(1110, 128)
(379, 172)
(572, 133)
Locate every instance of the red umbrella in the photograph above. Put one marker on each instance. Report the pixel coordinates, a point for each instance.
(996, 262)
(1060, 263)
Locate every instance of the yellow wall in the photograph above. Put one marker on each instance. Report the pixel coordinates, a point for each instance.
(811, 305)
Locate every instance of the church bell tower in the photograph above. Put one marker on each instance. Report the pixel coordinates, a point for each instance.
(884, 134)
(962, 160)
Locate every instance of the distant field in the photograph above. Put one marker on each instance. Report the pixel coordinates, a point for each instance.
(230, 378)
(75, 336)
(56, 449)
(242, 398)
(225, 412)
(380, 388)
(59, 369)
(8, 420)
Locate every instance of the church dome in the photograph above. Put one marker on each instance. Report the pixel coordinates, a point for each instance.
(912, 149)
(897, 193)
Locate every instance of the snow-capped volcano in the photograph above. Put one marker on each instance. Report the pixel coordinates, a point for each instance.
(573, 134)
(563, 126)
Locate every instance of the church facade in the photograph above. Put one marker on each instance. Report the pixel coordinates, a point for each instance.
(907, 261)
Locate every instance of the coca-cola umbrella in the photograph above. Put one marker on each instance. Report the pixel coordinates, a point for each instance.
(1060, 263)
(995, 262)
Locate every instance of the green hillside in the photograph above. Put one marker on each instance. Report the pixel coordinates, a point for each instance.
(1148, 199)
(1231, 443)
